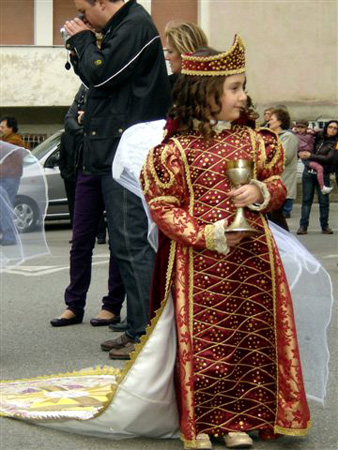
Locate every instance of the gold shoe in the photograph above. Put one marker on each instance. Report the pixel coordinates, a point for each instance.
(202, 443)
(238, 439)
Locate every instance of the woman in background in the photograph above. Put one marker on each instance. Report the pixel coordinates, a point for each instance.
(280, 123)
(181, 37)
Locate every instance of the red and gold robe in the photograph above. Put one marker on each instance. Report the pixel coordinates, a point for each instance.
(238, 365)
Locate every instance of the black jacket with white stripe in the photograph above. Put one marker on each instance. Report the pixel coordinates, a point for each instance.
(127, 80)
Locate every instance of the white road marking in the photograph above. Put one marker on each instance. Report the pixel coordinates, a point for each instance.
(35, 271)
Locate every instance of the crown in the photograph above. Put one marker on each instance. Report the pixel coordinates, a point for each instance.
(226, 63)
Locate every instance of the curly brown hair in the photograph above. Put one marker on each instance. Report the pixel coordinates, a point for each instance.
(192, 100)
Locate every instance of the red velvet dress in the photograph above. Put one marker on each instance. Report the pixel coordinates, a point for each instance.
(238, 366)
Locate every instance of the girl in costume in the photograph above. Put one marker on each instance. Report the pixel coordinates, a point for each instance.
(238, 366)
(223, 319)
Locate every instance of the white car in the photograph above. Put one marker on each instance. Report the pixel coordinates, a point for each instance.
(29, 208)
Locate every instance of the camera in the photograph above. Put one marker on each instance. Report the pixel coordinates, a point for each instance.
(65, 36)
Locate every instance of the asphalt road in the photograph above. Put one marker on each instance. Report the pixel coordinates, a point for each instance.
(32, 294)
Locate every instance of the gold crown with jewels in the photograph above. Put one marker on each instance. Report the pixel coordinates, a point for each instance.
(227, 63)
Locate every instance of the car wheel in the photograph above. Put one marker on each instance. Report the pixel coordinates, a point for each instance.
(27, 215)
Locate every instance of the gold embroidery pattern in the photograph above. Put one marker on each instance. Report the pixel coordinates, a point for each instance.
(225, 308)
(243, 281)
(209, 237)
(272, 178)
(145, 182)
(191, 211)
(162, 176)
(275, 149)
(234, 355)
(164, 198)
(82, 395)
(215, 288)
(293, 432)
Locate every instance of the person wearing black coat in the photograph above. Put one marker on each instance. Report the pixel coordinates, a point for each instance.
(324, 150)
(70, 146)
(128, 84)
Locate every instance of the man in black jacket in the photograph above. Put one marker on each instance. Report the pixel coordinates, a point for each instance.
(128, 84)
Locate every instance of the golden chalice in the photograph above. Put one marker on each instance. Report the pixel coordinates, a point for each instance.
(240, 173)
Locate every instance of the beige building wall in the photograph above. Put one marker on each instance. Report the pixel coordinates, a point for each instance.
(292, 55)
(36, 76)
(292, 50)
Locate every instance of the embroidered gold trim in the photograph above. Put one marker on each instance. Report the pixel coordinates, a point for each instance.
(272, 178)
(190, 249)
(158, 182)
(266, 196)
(187, 174)
(212, 74)
(188, 444)
(191, 291)
(261, 145)
(276, 155)
(144, 173)
(209, 237)
(269, 238)
(166, 198)
(290, 432)
(221, 242)
(98, 370)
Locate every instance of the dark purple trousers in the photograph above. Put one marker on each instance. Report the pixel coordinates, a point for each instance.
(89, 206)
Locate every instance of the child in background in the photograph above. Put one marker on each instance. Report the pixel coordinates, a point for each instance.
(306, 144)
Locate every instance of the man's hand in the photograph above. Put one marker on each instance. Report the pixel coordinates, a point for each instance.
(80, 116)
(246, 195)
(76, 26)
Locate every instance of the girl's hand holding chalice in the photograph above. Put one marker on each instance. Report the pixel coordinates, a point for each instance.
(246, 195)
(243, 194)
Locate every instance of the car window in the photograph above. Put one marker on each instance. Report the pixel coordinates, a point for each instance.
(41, 150)
(54, 159)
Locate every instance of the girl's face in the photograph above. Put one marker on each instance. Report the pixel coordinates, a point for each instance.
(173, 56)
(274, 123)
(234, 97)
(332, 129)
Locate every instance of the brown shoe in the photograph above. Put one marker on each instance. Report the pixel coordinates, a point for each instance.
(122, 353)
(302, 230)
(327, 230)
(117, 343)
